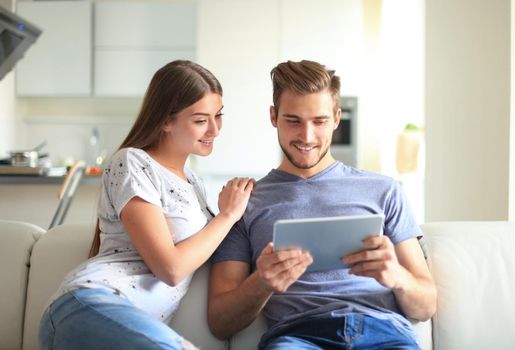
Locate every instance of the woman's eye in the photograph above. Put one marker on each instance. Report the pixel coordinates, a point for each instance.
(202, 121)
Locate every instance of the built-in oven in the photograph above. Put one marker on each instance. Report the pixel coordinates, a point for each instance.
(344, 144)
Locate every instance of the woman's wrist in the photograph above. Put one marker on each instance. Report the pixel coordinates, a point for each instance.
(228, 216)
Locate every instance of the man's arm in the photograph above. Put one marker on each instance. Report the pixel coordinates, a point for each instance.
(236, 297)
(403, 269)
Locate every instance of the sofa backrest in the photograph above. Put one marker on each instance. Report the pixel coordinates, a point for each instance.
(191, 318)
(63, 248)
(473, 264)
(17, 239)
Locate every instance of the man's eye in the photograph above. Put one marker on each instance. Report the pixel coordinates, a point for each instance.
(202, 121)
(320, 122)
(219, 115)
(293, 121)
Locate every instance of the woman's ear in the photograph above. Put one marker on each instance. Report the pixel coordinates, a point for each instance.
(167, 126)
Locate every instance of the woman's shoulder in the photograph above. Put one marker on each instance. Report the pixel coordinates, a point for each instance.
(129, 153)
(125, 157)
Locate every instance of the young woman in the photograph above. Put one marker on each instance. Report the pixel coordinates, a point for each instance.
(154, 225)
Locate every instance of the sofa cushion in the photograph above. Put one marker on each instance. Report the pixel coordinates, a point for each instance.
(17, 240)
(473, 264)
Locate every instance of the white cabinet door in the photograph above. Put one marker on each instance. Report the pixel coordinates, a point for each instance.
(145, 24)
(128, 72)
(59, 63)
(134, 39)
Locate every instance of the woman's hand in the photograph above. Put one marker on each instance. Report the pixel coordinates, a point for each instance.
(234, 197)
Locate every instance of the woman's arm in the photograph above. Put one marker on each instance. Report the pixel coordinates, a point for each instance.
(147, 228)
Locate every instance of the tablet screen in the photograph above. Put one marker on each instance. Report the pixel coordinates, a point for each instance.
(328, 239)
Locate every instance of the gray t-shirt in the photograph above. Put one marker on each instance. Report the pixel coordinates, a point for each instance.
(118, 266)
(336, 191)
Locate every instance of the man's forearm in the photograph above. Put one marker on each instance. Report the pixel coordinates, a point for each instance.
(417, 297)
(233, 311)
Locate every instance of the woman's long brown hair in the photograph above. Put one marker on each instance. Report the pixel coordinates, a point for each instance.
(177, 85)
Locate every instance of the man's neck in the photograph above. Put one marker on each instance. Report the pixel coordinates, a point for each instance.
(289, 168)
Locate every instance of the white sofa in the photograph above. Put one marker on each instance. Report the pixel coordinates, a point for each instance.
(473, 264)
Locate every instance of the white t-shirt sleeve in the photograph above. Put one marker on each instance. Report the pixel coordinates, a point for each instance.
(131, 175)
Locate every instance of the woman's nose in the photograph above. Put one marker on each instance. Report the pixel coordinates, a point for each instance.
(214, 128)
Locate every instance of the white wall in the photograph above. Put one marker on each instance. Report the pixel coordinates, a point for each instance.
(238, 42)
(467, 109)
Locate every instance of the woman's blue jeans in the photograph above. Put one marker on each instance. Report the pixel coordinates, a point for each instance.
(97, 319)
(348, 332)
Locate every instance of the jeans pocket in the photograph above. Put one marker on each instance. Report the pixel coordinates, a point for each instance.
(46, 332)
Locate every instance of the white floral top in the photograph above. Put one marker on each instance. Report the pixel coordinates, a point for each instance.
(118, 266)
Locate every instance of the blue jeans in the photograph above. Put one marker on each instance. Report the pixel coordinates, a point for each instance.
(347, 332)
(97, 319)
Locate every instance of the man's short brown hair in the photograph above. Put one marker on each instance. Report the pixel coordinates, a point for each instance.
(304, 77)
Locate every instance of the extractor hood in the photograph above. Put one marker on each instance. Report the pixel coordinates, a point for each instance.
(16, 35)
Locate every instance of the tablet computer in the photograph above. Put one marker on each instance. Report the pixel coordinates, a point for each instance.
(328, 239)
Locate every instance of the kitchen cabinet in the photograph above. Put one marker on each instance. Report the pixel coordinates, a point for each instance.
(59, 63)
(129, 49)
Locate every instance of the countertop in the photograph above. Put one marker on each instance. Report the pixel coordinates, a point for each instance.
(44, 180)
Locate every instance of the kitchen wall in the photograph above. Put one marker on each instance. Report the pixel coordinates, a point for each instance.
(67, 124)
(374, 45)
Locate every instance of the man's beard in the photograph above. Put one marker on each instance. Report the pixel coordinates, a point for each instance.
(302, 166)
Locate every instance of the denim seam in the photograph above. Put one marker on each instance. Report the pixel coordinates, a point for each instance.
(357, 334)
(122, 325)
(49, 313)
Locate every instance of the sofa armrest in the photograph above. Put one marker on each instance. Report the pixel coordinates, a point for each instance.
(17, 240)
(54, 255)
(473, 265)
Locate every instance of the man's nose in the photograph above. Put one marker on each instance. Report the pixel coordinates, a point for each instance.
(307, 132)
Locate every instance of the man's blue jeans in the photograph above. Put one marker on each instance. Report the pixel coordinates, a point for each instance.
(87, 319)
(347, 332)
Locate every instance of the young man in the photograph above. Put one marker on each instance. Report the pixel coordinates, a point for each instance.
(366, 306)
